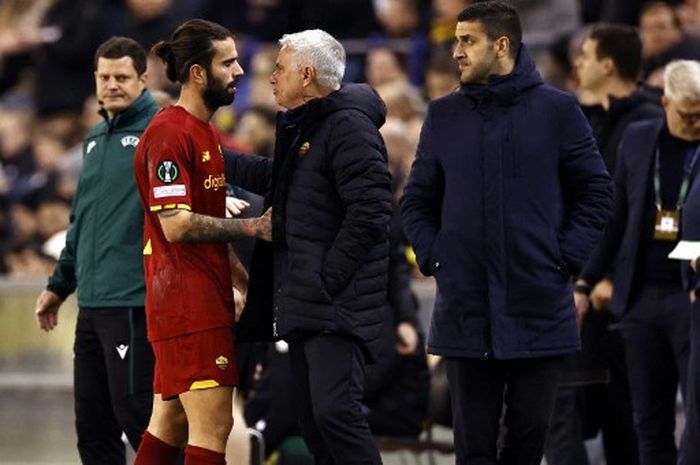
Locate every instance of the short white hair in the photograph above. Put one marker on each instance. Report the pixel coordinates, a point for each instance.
(682, 81)
(320, 50)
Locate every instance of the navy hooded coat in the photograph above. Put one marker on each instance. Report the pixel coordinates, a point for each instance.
(506, 199)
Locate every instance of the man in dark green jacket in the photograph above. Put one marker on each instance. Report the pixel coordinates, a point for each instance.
(113, 363)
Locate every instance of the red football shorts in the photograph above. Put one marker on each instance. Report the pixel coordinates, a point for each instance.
(194, 361)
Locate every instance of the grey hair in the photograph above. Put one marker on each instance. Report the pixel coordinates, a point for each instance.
(682, 81)
(320, 50)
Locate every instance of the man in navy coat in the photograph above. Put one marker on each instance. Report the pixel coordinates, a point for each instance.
(506, 199)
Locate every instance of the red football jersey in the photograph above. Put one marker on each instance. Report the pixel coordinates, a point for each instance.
(179, 164)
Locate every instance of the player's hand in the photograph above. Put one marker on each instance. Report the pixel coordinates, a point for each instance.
(46, 311)
(408, 338)
(235, 206)
(239, 300)
(601, 295)
(264, 226)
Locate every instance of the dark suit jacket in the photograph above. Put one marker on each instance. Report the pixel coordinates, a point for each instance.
(620, 244)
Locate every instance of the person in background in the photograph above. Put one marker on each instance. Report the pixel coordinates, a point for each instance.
(649, 300)
(689, 452)
(113, 363)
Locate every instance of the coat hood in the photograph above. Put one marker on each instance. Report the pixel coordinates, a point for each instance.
(354, 96)
(506, 89)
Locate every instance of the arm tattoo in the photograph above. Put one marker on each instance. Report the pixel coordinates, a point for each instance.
(203, 229)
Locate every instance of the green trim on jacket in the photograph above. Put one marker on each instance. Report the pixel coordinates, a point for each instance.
(103, 253)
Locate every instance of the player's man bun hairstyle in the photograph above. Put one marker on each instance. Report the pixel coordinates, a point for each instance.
(190, 44)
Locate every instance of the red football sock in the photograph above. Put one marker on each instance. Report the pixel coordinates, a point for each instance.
(199, 456)
(153, 451)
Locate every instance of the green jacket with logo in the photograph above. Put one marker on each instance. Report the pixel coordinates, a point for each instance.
(103, 256)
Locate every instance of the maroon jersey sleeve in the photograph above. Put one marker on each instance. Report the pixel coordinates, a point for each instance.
(169, 168)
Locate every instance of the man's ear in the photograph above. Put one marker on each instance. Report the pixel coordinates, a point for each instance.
(502, 45)
(609, 66)
(198, 74)
(309, 75)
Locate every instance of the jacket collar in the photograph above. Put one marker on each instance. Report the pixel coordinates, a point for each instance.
(506, 89)
(126, 117)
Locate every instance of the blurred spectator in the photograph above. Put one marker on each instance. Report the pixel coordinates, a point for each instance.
(343, 19)
(265, 20)
(400, 150)
(441, 77)
(254, 88)
(382, 66)
(559, 64)
(22, 253)
(157, 77)
(405, 22)
(689, 14)
(51, 218)
(444, 21)
(20, 34)
(145, 21)
(543, 21)
(403, 101)
(398, 18)
(63, 80)
(16, 155)
(663, 40)
(615, 11)
(256, 130)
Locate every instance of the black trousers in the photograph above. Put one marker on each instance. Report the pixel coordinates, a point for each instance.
(690, 444)
(479, 390)
(612, 404)
(656, 333)
(113, 382)
(564, 445)
(582, 412)
(328, 372)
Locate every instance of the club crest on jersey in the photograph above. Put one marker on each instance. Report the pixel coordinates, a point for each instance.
(167, 171)
(222, 362)
(206, 156)
(304, 149)
(130, 140)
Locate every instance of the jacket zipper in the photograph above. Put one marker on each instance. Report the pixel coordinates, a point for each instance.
(275, 306)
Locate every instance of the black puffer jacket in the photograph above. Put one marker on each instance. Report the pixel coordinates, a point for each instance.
(330, 191)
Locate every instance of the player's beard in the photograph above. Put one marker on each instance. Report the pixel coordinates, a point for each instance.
(216, 94)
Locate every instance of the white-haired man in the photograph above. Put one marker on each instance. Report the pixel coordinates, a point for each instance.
(690, 446)
(655, 164)
(330, 189)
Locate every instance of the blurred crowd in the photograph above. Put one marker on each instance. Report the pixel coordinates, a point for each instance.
(401, 47)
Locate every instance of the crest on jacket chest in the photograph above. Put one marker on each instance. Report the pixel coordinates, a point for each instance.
(304, 149)
(130, 141)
